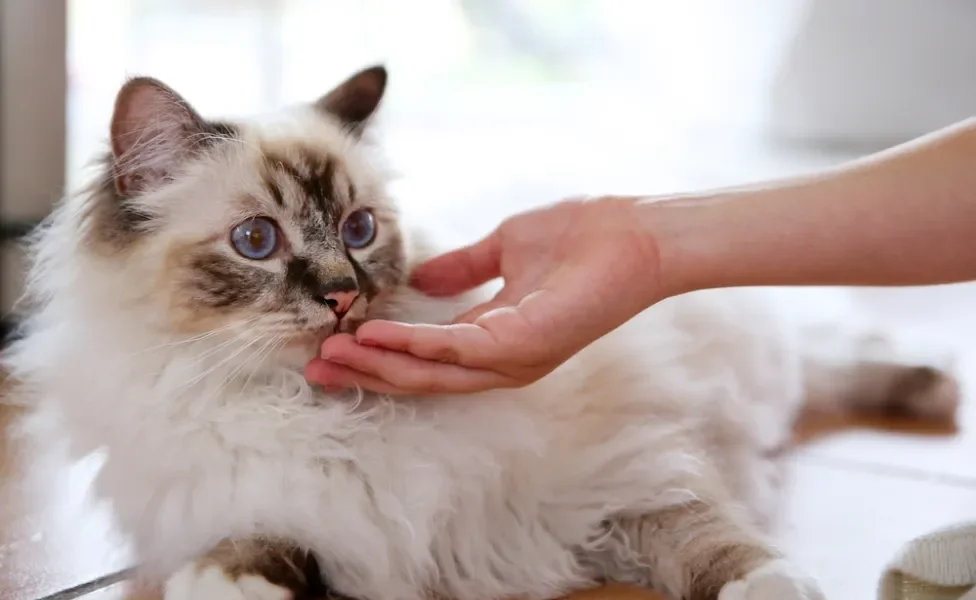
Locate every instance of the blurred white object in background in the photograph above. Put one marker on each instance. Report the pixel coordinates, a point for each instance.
(503, 104)
(873, 73)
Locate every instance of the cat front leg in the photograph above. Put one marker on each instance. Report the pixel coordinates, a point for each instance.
(249, 569)
(774, 580)
(701, 551)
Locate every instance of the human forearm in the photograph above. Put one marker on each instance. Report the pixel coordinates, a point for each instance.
(903, 217)
(576, 270)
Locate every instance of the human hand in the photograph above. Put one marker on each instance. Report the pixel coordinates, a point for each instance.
(573, 272)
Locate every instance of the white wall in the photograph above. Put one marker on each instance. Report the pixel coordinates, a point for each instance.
(876, 72)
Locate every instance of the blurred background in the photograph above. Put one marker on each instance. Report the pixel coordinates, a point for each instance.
(495, 105)
(500, 104)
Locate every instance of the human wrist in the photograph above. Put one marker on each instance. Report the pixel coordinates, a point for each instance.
(636, 236)
(688, 237)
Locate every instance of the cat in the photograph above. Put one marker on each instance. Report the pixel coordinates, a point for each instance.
(175, 302)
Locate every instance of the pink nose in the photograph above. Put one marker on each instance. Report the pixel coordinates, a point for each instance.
(340, 302)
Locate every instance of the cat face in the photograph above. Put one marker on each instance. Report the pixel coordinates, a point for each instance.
(281, 226)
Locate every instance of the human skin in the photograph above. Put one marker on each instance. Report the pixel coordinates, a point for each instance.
(576, 270)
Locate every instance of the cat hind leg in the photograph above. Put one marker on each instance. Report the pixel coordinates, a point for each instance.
(699, 550)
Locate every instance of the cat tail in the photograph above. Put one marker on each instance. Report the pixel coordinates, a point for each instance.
(873, 370)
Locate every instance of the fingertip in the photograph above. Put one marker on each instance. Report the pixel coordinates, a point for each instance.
(459, 270)
(381, 333)
(369, 327)
(316, 370)
(424, 275)
(334, 344)
(436, 278)
(336, 378)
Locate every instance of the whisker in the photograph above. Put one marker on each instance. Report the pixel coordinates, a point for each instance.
(197, 338)
(219, 364)
(272, 346)
(240, 368)
(222, 345)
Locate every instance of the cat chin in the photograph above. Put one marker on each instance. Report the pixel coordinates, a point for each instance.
(294, 356)
(347, 325)
(304, 347)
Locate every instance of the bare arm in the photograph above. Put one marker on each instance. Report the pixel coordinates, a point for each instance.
(577, 270)
(906, 216)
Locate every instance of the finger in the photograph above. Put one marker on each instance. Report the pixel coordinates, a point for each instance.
(460, 344)
(410, 374)
(460, 270)
(336, 377)
(337, 340)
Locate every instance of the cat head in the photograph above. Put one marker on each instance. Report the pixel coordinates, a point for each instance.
(282, 225)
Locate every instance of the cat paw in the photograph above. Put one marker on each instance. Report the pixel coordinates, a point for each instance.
(776, 580)
(195, 582)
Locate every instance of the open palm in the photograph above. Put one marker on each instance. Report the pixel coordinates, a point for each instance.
(573, 272)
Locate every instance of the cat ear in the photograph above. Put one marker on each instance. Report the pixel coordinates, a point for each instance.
(153, 130)
(356, 99)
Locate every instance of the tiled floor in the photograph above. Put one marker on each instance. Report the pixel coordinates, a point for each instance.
(858, 489)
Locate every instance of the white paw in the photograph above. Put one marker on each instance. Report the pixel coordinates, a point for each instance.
(211, 583)
(776, 580)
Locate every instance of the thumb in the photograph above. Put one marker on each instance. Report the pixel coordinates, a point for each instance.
(460, 270)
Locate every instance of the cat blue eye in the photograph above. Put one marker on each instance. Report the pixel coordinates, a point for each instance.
(255, 238)
(359, 229)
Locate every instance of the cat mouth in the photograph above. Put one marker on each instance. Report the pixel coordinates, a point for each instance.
(347, 324)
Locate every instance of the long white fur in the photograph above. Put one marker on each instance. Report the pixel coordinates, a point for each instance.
(475, 497)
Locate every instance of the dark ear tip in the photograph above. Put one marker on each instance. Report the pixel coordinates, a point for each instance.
(379, 69)
(355, 100)
(377, 72)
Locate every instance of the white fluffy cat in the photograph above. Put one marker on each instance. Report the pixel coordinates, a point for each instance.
(177, 300)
